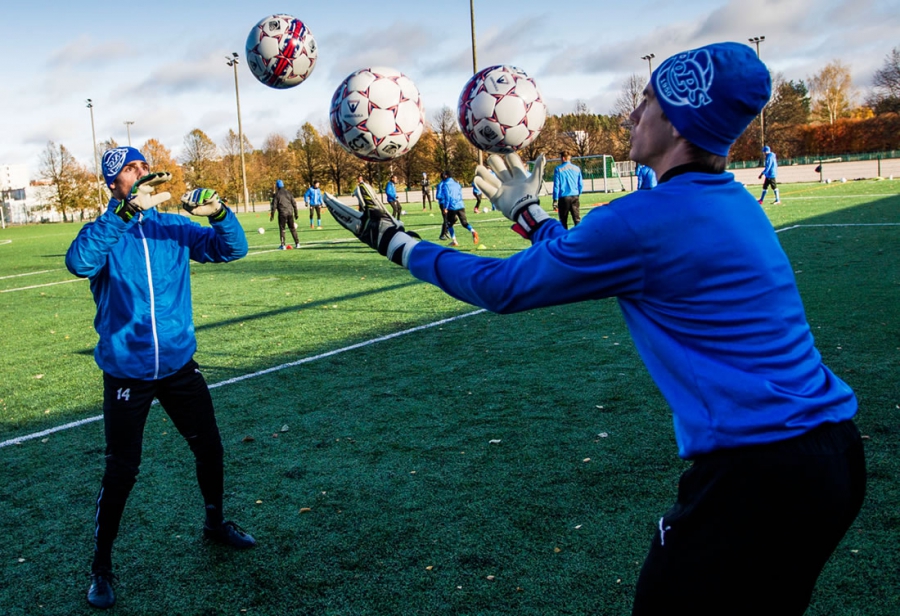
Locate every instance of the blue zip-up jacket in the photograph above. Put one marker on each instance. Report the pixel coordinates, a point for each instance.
(708, 295)
(390, 191)
(313, 196)
(567, 181)
(140, 278)
(449, 195)
(646, 177)
(771, 168)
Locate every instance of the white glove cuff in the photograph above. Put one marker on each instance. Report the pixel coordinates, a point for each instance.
(404, 243)
(531, 216)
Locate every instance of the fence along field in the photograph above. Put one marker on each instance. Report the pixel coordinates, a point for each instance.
(388, 444)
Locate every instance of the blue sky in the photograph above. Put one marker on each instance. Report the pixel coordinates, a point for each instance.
(162, 64)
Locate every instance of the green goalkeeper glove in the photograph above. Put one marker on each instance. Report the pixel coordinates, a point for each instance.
(141, 196)
(514, 191)
(204, 202)
(376, 229)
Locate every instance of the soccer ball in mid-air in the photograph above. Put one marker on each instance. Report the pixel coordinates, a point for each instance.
(500, 109)
(261, 230)
(376, 114)
(281, 51)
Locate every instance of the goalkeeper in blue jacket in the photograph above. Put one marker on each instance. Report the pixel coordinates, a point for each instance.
(770, 172)
(138, 262)
(709, 296)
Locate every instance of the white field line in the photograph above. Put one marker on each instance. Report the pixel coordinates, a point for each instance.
(30, 273)
(305, 360)
(238, 379)
(860, 224)
(38, 286)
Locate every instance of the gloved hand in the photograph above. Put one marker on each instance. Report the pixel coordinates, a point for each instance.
(141, 196)
(376, 229)
(513, 191)
(370, 198)
(204, 202)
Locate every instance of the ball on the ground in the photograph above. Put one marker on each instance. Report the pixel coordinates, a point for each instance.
(281, 51)
(377, 114)
(501, 110)
(260, 230)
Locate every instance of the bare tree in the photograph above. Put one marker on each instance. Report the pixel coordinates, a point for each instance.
(832, 92)
(445, 128)
(885, 97)
(72, 182)
(630, 96)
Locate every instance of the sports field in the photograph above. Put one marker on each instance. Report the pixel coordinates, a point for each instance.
(395, 451)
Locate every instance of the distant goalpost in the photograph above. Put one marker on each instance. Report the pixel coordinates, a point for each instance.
(601, 173)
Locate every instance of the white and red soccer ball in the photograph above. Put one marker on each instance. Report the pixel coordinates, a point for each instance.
(501, 109)
(377, 114)
(281, 51)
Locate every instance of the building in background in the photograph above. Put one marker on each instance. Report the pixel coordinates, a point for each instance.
(24, 201)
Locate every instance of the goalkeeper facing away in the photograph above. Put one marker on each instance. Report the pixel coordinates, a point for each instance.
(138, 262)
(710, 299)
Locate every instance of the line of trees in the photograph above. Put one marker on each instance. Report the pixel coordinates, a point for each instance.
(815, 117)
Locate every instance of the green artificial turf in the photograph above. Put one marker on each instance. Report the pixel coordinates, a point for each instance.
(487, 465)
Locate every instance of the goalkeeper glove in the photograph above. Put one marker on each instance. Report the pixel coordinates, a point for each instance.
(141, 196)
(513, 191)
(376, 229)
(368, 198)
(204, 202)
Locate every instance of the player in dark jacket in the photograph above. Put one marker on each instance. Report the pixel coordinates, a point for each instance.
(283, 201)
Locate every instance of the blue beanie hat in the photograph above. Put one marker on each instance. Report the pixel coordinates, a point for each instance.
(279, 183)
(711, 94)
(767, 149)
(115, 159)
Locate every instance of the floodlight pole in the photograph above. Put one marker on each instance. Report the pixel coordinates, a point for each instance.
(90, 105)
(649, 58)
(128, 124)
(762, 112)
(233, 62)
(474, 60)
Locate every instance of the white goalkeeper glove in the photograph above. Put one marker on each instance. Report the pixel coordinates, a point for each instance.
(368, 198)
(141, 196)
(376, 229)
(204, 202)
(514, 191)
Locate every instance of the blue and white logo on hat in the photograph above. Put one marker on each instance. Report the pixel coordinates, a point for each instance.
(686, 79)
(114, 160)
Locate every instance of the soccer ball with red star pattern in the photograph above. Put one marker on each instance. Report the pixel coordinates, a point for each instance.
(501, 110)
(281, 51)
(377, 114)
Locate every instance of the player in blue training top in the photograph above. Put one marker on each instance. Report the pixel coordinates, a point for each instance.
(567, 188)
(138, 262)
(390, 192)
(477, 194)
(313, 199)
(646, 178)
(449, 198)
(778, 472)
(769, 171)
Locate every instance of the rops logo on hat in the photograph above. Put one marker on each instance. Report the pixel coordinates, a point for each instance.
(113, 160)
(686, 79)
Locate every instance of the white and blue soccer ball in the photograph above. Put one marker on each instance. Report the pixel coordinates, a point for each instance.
(260, 230)
(281, 51)
(377, 114)
(501, 110)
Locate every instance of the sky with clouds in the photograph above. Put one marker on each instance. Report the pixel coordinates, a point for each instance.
(162, 66)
